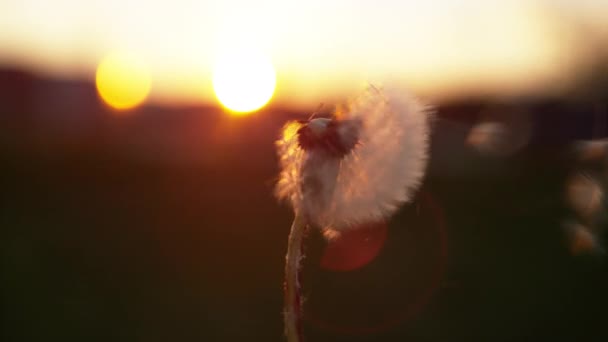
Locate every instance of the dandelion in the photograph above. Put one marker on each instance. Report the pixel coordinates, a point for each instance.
(354, 168)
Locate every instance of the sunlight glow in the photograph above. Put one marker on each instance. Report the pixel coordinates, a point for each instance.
(322, 50)
(243, 80)
(123, 82)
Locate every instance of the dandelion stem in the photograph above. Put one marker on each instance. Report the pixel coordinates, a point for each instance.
(293, 297)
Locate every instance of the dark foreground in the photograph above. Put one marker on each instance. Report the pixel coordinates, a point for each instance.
(161, 226)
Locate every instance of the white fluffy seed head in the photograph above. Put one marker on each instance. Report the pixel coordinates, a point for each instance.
(381, 172)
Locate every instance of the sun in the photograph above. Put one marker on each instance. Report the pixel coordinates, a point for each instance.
(243, 80)
(122, 81)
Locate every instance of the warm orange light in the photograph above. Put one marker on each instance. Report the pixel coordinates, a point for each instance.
(290, 130)
(123, 82)
(243, 80)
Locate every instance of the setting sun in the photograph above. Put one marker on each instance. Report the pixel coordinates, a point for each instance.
(123, 82)
(243, 80)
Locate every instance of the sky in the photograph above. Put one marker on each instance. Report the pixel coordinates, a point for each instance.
(320, 49)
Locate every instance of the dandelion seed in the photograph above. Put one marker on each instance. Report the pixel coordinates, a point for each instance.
(354, 168)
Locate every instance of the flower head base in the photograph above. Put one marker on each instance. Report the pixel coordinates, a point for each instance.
(332, 137)
(358, 166)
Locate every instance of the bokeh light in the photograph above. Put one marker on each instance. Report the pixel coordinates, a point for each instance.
(500, 132)
(243, 80)
(581, 239)
(585, 195)
(592, 150)
(122, 81)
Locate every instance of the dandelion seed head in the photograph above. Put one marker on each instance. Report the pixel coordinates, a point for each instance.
(359, 166)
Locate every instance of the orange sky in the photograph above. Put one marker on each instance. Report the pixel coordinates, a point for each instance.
(320, 49)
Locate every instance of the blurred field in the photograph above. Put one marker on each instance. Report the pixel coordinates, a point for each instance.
(160, 225)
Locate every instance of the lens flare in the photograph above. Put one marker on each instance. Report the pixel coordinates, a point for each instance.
(349, 302)
(354, 249)
(123, 81)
